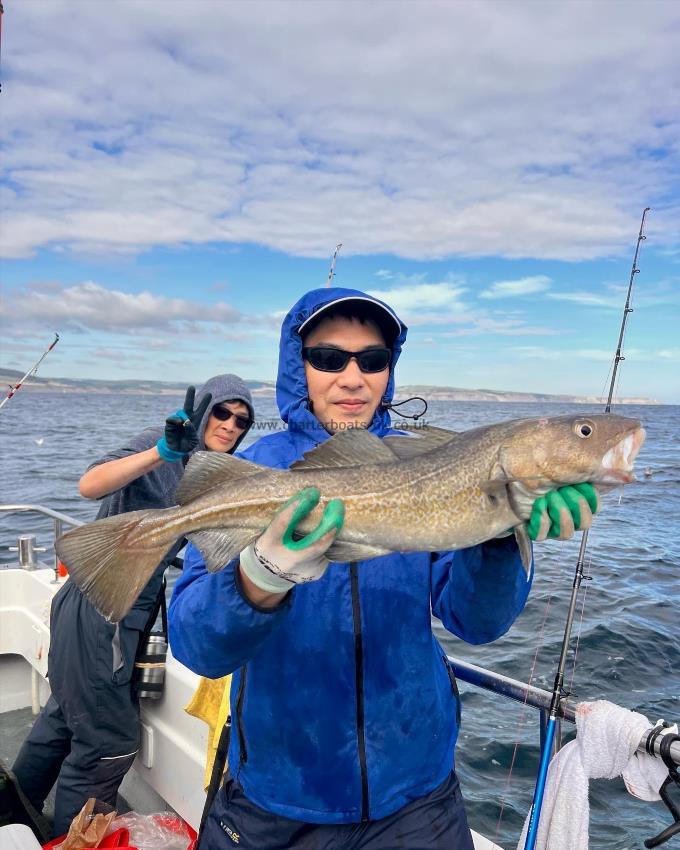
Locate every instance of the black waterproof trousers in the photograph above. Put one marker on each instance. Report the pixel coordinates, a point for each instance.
(87, 736)
(436, 821)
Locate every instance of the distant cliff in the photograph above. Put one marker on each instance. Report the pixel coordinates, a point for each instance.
(131, 387)
(458, 394)
(266, 388)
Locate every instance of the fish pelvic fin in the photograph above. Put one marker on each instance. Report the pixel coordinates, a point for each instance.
(219, 545)
(525, 548)
(207, 470)
(110, 563)
(344, 551)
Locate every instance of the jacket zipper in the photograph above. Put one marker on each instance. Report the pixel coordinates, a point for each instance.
(243, 753)
(359, 674)
(454, 687)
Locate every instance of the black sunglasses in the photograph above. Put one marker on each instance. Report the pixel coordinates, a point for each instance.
(224, 415)
(335, 359)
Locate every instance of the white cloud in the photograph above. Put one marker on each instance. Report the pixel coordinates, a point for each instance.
(537, 352)
(646, 294)
(634, 355)
(515, 288)
(423, 298)
(588, 299)
(480, 325)
(444, 305)
(117, 355)
(91, 307)
(672, 354)
(417, 132)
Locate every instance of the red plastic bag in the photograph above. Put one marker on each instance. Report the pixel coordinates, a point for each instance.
(120, 839)
(161, 831)
(158, 829)
(176, 824)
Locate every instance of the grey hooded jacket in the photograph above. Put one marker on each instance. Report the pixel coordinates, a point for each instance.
(156, 489)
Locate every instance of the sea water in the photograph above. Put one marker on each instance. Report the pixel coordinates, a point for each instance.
(626, 636)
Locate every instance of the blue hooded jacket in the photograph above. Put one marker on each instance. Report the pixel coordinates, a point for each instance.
(344, 707)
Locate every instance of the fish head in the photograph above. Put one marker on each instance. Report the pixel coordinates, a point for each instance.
(598, 448)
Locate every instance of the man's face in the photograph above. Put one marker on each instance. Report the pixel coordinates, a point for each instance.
(220, 435)
(351, 397)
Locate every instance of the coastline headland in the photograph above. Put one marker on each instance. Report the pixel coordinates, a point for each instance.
(267, 388)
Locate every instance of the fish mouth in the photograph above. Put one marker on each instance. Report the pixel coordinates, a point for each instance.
(617, 464)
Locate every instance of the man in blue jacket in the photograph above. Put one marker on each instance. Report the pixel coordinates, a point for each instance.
(344, 709)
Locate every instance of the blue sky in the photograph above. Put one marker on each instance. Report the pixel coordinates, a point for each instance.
(174, 179)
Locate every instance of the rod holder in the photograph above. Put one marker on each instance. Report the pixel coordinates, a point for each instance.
(26, 548)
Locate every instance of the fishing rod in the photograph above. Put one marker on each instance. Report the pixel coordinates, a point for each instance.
(559, 693)
(1, 14)
(331, 271)
(14, 388)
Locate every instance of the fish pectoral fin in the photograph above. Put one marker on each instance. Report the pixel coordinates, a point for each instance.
(418, 442)
(356, 447)
(220, 545)
(495, 489)
(498, 473)
(343, 551)
(499, 482)
(525, 549)
(207, 470)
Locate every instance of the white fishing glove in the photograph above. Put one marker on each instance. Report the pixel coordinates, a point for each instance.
(277, 561)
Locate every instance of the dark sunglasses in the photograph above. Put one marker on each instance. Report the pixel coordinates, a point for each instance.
(224, 415)
(335, 359)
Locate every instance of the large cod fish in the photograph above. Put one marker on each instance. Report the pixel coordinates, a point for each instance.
(435, 491)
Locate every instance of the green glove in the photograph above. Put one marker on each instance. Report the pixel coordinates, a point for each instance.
(561, 512)
(277, 561)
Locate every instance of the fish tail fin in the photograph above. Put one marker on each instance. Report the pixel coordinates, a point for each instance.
(111, 560)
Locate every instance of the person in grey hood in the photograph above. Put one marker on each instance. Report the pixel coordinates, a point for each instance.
(87, 735)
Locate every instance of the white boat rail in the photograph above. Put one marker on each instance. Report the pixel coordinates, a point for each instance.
(25, 543)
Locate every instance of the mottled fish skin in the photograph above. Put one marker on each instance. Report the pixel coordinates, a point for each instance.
(445, 491)
(448, 493)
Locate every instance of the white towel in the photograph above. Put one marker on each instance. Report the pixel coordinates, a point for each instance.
(644, 775)
(607, 737)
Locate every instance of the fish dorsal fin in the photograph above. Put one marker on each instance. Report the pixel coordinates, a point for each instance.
(206, 470)
(356, 447)
(219, 545)
(423, 440)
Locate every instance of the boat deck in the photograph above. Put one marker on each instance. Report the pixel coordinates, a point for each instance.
(14, 727)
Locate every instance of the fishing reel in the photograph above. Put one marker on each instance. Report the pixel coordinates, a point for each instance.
(672, 783)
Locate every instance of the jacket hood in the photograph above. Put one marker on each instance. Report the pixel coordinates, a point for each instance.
(223, 388)
(291, 384)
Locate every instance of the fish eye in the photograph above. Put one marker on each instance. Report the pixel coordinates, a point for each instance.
(583, 429)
